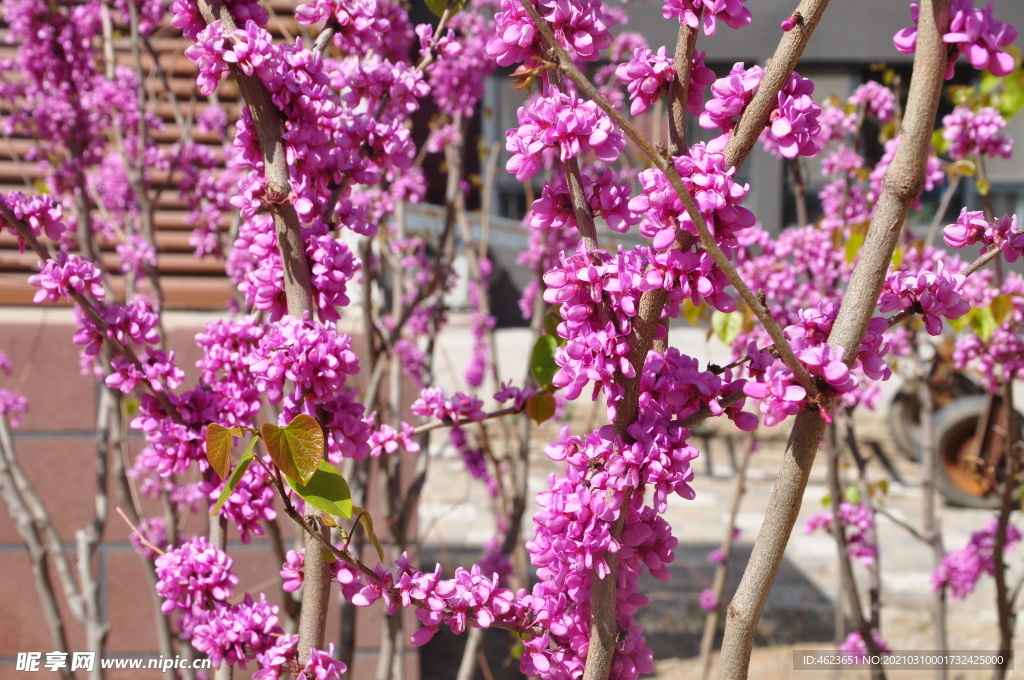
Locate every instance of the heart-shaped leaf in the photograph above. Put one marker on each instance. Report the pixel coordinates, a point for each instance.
(367, 522)
(542, 360)
(296, 449)
(541, 407)
(325, 490)
(235, 478)
(218, 449)
(727, 326)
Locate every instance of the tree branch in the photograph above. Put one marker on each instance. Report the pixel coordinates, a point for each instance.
(902, 182)
(707, 241)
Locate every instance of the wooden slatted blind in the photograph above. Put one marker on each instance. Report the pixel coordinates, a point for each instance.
(187, 282)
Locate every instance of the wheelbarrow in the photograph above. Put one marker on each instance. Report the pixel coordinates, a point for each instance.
(970, 434)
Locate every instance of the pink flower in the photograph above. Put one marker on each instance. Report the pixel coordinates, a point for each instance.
(937, 293)
(689, 12)
(974, 33)
(647, 76)
(66, 274)
(856, 651)
(961, 569)
(560, 122)
(976, 133)
(708, 601)
(877, 99)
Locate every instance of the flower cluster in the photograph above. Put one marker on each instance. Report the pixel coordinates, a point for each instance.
(363, 25)
(561, 122)
(717, 194)
(582, 29)
(971, 227)
(973, 32)
(65, 275)
(12, 404)
(936, 293)
(793, 127)
(603, 479)
(961, 569)
(197, 580)
(859, 523)
(459, 408)
(41, 213)
(689, 13)
(194, 574)
(597, 347)
(470, 598)
(971, 133)
(877, 100)
(707, 600)
(518, 395)
(855, 650)
(1000, 356)
(314, 359)
(775, 384)
(647, 76)
(458, 72)
(386, 440)
(729, 96)
(607, 195)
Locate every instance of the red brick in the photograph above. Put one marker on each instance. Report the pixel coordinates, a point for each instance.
(45, 369)
(24, 627)
(61, 470)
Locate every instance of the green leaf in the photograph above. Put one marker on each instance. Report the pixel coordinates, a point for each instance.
(367, 522)
(853, 246)
(983, 322)
(983, 186)
(551, 321)
(542, 360)
(826, 500)
(691, 311)
(939, 143)
(897, 258)
(1002, 305)
(541, 407)
(727, 327)
(989, 82)
(882, 486)
(852, 495)
(218, 449)
(235, 478)
(297, 448)
(887, 132)
(1011, 102)
(131, 405)
(959, 324)
(325, 490)
(965, 167)
(438, 6)
(329, 558)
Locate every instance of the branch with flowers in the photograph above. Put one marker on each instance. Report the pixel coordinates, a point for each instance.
(323, 147)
